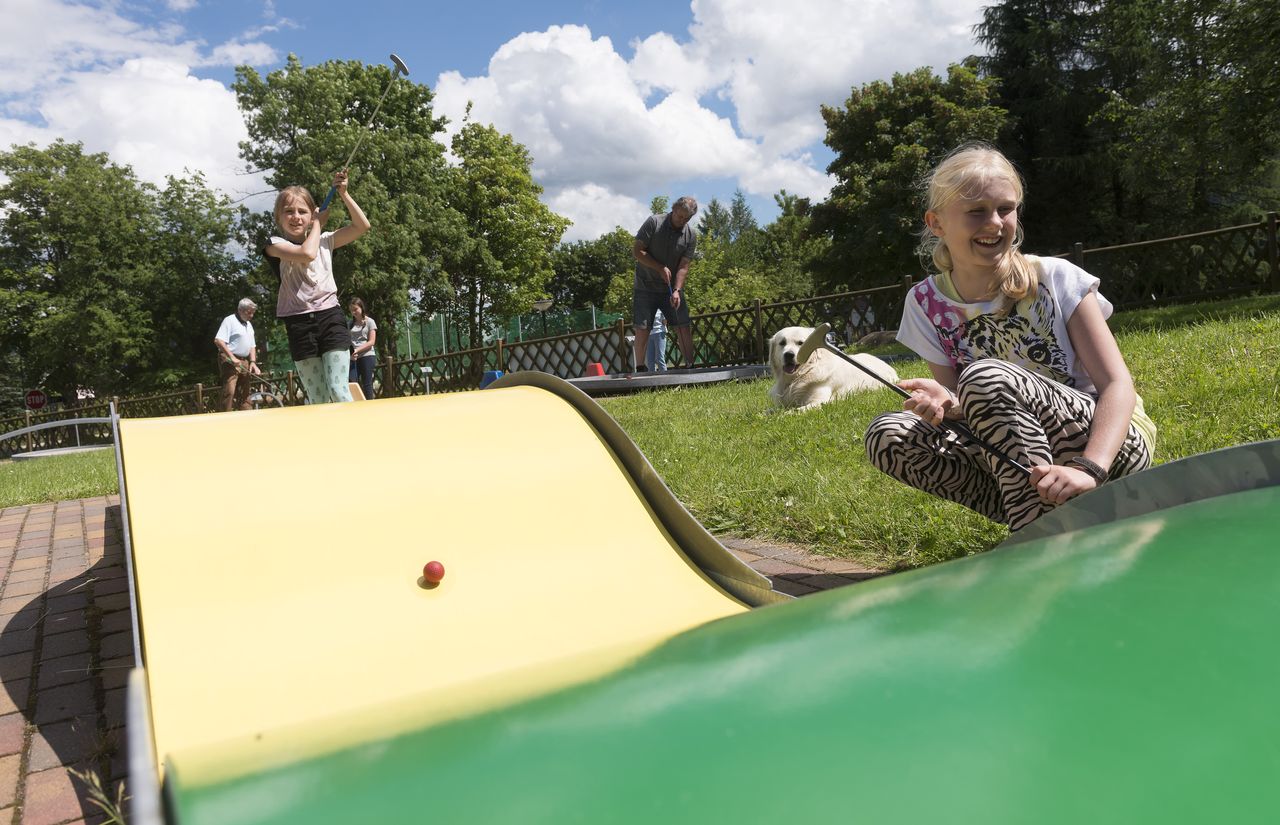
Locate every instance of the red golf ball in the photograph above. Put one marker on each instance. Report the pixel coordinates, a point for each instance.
(433, 572)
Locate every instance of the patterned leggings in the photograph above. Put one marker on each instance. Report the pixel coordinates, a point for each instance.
(325, 378)
(1033, 419)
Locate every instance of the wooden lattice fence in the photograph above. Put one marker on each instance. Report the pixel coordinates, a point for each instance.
(1220, 263)
(1236, 260)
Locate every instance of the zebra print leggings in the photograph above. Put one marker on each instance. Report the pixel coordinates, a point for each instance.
(1033, 419)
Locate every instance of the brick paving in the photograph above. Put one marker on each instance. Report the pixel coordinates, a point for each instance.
(63, 610)
(66, 647)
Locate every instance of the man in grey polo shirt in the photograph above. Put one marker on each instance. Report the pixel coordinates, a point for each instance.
(663, 250)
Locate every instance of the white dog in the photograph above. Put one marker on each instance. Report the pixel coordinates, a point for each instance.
(825, 376)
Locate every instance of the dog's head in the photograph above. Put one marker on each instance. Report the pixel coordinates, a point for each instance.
(784, 346)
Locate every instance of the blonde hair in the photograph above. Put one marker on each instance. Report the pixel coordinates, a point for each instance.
(963, 173)
(287, 194)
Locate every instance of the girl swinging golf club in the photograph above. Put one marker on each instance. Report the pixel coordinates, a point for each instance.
(1020, 352)
(319, 340)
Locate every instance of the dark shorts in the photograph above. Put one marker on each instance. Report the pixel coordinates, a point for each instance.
(312, 334)
(646, 304)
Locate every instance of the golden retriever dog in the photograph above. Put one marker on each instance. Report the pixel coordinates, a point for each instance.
(824, 377)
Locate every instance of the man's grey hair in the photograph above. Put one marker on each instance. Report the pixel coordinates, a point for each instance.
(246, 303)
(687, 205)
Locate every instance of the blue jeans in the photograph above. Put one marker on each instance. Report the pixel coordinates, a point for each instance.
(362, 371)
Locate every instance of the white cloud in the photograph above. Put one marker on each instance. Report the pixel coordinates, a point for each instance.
(595, 210)
(90, 75)
(156, 117)
(582, 112)
(181, 5)
(237, 53)
(737, 99)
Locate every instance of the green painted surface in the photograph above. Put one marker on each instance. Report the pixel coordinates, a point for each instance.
(1124, 673)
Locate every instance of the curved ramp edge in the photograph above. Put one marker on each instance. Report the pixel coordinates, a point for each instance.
(728, 571)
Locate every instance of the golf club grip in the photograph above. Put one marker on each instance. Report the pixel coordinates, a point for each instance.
(964, 432)
(333, 190)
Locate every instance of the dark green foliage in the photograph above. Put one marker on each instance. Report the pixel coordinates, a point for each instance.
(885, 137)
(502, 263)
(584, 269)
(1137, 119)
(109, 284)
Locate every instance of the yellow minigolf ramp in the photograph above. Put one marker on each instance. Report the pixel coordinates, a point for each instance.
(277, 557)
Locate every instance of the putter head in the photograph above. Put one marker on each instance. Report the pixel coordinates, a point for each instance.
(816, 340)
(400, 67)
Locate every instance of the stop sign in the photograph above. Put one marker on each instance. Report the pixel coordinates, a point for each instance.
(36, 399)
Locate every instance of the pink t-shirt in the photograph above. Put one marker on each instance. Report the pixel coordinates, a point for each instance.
(307, 287)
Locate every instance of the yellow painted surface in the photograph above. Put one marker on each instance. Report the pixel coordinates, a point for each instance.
(278, 554)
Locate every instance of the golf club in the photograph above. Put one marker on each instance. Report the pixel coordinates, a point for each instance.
(401, 69)
(818, 340)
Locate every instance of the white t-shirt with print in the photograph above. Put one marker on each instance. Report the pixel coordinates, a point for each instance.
(1032, 334)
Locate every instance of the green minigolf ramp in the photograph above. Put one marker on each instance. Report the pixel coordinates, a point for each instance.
(1125, 671)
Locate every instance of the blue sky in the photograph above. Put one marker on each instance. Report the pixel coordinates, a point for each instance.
(616, 101)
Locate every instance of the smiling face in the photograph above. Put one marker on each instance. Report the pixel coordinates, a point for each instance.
(295, 218)
(294, 211)
(978, 227)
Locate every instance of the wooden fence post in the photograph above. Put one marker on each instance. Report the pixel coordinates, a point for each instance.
(27, 413)
(1273, 251)
(1077, 254)
(758, 317)
(199, 397)
(501, 364)
(289, 383)
(390, 380)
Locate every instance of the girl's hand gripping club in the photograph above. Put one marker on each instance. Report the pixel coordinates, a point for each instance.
(400, 69)
(818, 340)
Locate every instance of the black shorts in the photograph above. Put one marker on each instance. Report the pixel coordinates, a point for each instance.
(645, 305)
(312, 334)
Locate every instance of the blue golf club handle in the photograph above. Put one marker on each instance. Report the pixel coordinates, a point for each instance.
(333, 190)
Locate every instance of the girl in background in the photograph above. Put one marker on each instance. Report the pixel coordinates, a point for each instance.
(319, 340)
(364, 334)
(1018, 348)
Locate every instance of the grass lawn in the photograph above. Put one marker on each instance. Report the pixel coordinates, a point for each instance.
(58, 478)
(1209, 374)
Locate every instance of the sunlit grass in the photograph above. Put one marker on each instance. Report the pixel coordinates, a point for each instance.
(58, 478)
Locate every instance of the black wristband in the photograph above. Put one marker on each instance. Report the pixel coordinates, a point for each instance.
(1092, 468)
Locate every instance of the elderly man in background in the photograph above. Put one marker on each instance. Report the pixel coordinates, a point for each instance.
(237, 356)
(664, 248)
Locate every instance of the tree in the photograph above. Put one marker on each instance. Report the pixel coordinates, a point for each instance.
(1136, 118)
(108, 284)
(503, 262)
(1045, 77)
(714, 222)
(584, 269)
(789, 247)
(304, 121)
(1190, 122)
(885, 137)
